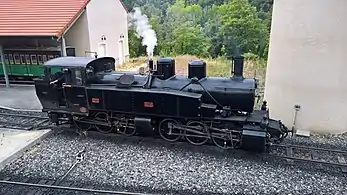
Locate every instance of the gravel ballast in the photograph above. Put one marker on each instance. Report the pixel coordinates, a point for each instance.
(119, 163)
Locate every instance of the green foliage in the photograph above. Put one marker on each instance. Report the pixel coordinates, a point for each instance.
(189, 40)
(206, 28)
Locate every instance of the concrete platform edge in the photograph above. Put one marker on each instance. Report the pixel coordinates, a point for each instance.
(303, 133)
(18, 109)
(20, 151)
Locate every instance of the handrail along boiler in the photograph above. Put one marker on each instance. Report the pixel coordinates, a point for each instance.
(195, 107)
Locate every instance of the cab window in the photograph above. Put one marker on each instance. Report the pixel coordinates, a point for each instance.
(78, 76)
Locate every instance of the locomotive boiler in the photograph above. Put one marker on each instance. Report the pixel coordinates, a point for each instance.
(235, 94)
(195, 107)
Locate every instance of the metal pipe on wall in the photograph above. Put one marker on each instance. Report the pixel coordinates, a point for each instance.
(4, 66)
(63, 46)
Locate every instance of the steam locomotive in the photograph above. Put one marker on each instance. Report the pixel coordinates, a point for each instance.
(159, 103)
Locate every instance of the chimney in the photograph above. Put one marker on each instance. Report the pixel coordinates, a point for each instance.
(238, 66)
(150, 64)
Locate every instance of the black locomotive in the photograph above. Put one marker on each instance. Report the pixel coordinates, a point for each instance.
(90, 94)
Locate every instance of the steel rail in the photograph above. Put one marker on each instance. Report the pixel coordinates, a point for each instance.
(309, 148)
(70, 188)
(306, 160)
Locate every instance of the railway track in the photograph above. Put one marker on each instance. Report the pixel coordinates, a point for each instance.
(24, 121)
(299, 153)
(291, 153)
(27, 186)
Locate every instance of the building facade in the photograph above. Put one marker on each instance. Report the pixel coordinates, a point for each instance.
(307, 65)
(32, 32)
(103, 28)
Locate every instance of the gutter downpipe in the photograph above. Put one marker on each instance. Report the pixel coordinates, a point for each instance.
(4, 66)
(62, 37)
(63, 46)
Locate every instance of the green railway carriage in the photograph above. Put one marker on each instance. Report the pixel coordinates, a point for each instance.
(26, 64)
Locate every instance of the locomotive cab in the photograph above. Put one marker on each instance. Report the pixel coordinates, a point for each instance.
(63, 91)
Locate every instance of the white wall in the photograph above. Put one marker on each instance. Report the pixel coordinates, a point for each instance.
(307, 64)
(108, 18)
(78, 36)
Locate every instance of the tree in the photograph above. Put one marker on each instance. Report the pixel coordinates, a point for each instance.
(223, 27)
(241, 27)
(190, 40)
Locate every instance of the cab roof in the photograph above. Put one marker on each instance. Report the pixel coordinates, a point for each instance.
(74, 62)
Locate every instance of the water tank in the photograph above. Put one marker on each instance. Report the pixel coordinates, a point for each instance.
(307, 64)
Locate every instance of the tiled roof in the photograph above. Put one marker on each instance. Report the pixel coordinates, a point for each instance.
(38, 17)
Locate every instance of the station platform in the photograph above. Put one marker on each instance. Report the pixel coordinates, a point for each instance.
(14, 142)
(21, 97)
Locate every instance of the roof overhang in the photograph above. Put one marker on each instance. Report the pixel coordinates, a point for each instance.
(124, 6)
(55, 36)
(72, 22)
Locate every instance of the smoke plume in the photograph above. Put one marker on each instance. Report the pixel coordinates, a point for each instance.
(144, 30)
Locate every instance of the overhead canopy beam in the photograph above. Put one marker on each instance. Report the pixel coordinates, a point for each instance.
(33, 41)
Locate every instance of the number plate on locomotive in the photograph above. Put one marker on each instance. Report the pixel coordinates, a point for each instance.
(148, 104)
(95, 100)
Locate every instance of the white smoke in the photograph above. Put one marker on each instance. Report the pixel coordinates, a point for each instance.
(144, 30)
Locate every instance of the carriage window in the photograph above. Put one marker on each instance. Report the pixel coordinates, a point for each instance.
(6, 58)
(39, 59)
(33, 59)
(16, 59)
(22, 59)
(10, 57)
(44, 58)
(27, 59)
(50, 57)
